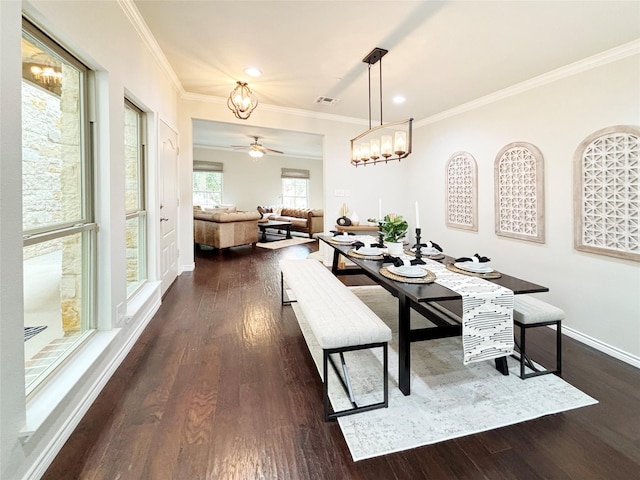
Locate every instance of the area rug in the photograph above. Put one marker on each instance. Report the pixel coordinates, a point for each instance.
(448, 399)
(286, 242)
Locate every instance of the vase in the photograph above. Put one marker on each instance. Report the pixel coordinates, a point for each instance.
(394, 248)
(355, 220)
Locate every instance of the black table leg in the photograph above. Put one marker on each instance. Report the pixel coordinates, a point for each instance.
(501, 365)
(288, 231)
(264, 233)
(404, 345)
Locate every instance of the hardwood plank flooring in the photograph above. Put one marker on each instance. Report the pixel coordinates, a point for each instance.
(221, 386)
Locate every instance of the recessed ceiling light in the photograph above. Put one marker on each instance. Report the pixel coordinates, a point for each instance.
(399, 99)
(252, 71)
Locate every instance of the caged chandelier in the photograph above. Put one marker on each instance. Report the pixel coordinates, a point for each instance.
(385, 142)
(242, 101)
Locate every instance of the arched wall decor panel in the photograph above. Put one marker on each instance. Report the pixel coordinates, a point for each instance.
(519, 192)
(462, 191)
(607, 193)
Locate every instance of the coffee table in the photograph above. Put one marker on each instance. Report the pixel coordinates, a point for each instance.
(274, 225)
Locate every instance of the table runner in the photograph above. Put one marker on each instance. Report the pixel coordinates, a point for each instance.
(487, 314)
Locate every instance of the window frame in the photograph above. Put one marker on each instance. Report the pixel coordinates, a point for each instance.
(203, 167)
(85, 224)
(140, 212)
(295, 174)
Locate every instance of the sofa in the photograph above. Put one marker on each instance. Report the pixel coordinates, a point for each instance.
(224, 228)
(302, 220)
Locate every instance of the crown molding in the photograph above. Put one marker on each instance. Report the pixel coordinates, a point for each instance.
(133, 14)
(608, 56)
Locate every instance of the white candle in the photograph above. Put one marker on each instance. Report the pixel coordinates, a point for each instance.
(417, 216)
(379, 209)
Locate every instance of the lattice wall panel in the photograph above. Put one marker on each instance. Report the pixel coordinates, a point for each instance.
(519, 202)
(462, 191)
(607, 208)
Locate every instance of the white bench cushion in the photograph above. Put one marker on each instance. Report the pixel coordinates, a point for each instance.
(527, 309)
(337, 317)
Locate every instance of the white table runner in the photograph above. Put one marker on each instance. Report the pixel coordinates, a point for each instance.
(487, 313)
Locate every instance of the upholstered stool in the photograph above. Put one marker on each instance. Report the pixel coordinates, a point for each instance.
(529, 312)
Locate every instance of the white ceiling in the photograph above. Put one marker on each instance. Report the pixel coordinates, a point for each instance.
(442, 54)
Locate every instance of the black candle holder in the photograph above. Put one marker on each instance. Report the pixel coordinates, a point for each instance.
(380, 234)
(418, 246)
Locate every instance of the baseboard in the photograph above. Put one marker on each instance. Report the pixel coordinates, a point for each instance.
(602, 347)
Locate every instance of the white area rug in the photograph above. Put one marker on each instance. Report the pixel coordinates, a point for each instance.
(287, 242)
(448, 399)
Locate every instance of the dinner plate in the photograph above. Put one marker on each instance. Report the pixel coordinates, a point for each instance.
(368, 251)
(473, 267)
(408, 271)
(344, 238)
(427, 251)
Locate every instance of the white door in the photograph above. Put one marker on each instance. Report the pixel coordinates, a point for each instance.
(168, 205)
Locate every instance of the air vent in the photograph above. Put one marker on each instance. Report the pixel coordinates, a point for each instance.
(326, 100)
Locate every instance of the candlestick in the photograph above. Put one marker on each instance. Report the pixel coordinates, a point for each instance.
(418, 247)
(417, 216)
(379, 209)
(380, 235)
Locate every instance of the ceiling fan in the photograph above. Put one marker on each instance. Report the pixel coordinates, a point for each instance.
(256, 150)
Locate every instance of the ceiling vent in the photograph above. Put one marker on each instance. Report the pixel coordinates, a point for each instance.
(327, 100)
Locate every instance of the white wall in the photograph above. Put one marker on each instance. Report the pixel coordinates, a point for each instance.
(101, 35)
(600, 295)
(248, 183)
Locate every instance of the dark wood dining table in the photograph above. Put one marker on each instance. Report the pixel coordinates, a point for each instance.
(435, 302)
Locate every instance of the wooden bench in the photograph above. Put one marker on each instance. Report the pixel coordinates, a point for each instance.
(339, 321)
(530, 312)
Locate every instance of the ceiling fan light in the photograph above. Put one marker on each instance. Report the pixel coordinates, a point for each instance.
(242, 101)
(255, 153)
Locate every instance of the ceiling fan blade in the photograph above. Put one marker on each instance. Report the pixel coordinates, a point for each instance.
(272, 150)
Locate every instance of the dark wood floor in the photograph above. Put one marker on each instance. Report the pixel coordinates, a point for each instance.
(221, 386)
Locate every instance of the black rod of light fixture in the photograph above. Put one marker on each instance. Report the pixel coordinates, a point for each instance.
(372, 58)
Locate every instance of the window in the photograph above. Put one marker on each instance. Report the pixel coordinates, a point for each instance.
(58, 229)
(295, 188)
(136, 215)
(207, 183)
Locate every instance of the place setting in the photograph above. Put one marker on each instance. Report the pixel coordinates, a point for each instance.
(476, 266)
(429, 250)
(405, 270)
(342, 238)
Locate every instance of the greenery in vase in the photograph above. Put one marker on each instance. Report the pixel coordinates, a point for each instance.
(394, 228)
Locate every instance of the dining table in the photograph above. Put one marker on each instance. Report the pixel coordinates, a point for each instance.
(437, 303)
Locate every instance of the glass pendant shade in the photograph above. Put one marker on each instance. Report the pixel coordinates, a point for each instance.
(374, 152)
(400, 143)
(364, 151)
(387, 146)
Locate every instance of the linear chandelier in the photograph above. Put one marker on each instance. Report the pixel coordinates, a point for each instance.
(242, 101)
(385, 142)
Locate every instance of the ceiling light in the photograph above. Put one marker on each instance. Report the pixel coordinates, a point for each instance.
(386, 142)
(252, 71)
(242, 101)
(256, 153)
(399, 99)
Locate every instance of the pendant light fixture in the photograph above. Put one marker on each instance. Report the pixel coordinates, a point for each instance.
(242, 101)
(385, 142)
